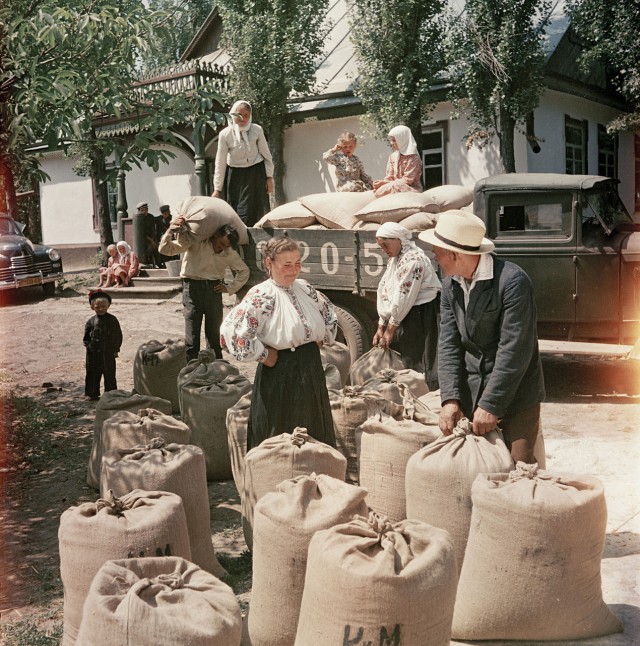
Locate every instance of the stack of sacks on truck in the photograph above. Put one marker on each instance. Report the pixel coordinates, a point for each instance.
(160, 601)
(284, 522)
(439, 476)
(139, 524)
(178, 468)
(280, 458)
(531, 569)
(388, 584)
(156, 367)
(208, 387)
(112, 402)
(363, 211)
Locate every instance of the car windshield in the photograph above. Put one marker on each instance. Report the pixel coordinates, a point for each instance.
(606, 207)
(9, 227)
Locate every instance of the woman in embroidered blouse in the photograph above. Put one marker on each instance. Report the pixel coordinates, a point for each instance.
(404, 168)
(126, 267)
(244, 167)
(408, 303)
(350, 173)
(281, 323)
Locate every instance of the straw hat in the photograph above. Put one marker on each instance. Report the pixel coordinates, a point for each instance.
(459, 231)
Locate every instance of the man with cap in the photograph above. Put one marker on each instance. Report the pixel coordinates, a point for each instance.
(149, 232)
(489, 363)
(408, 302)
(162, 226)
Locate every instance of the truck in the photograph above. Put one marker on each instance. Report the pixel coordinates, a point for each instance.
(571, 233)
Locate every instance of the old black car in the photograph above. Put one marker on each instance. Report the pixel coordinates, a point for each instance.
(23, 263)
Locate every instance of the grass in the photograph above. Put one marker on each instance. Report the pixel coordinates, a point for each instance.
(37, 630)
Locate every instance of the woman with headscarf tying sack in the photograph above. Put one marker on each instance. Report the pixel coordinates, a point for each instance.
(244, 168)
(281, 323)
(408, 303)
(404, 168)
(126, 266)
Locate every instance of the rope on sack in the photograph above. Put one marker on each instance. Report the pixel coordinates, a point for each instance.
(379, 524)
(527, 471)
(299, 436)
(173, 581)
(113, 502)
(463, 427)
(155, 443)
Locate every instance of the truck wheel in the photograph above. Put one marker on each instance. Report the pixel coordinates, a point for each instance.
(352, 332)
(49, 289)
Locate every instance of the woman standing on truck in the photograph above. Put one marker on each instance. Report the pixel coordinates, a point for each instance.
(281, 323)
(408, 303)
(244, 167)
(404, 167)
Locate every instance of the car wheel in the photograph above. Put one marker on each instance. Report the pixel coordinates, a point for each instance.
(49, 289)
(352, 332)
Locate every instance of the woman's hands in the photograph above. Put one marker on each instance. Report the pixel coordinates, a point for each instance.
(272, 357)
(377, 183)
(384, 336)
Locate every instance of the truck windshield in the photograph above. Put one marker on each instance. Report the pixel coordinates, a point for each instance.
(606, 207)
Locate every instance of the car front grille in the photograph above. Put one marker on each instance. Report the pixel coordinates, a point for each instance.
(21, 265)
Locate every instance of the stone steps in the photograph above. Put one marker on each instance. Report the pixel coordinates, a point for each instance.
(151, 284)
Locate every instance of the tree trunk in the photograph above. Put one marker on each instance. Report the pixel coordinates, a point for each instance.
(7, 188)
(276, 146)
(506, 138)
(99, 175)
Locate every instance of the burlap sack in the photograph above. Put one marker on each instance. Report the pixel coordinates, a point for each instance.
(439, 476)
(280, 458)
(332, 377)
(420, 221)
(396, 207)
(370, 582)
(178, 468)
(336, 210)
(532, 566)
(450, 196)
(371, 363)
(206, 366)
(205, 215)
(160, 601)
(291, 215)
(207, 391)
(350, 408)
(110, 403)
(284, 522)
(432, 401)
(384, 446)
(338, 355)
(387, 383)
(539, 450)
(237, 421)
(140, 524)
(156, 367)
(125, 429)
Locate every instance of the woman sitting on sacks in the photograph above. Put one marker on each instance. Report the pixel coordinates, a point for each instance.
(350, 173)
(106, 273)
(126, 267)
(281, 323)
(408, 303)
(404, 168)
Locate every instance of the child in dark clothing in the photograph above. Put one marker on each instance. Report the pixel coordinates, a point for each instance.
(102, 338)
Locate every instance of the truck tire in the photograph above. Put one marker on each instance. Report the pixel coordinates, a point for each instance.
(353, 331)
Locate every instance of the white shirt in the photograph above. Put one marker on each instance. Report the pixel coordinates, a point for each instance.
(409, 280)
(279, 317)
(237, 153)
(484, 271)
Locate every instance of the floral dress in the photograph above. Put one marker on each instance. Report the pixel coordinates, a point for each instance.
(403, 174)
(349, 172)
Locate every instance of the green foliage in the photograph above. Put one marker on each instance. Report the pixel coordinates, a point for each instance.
(400, 54)
(27, 633)
(496, 56)
(612, 34)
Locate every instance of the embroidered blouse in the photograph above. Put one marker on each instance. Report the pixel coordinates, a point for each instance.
(279, 317)
(350, 173)
(403, 174)
(409, 280)
(239, 154)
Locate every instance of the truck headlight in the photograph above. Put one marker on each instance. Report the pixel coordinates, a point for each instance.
(54, 254)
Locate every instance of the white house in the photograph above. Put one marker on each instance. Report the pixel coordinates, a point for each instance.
(569, 123)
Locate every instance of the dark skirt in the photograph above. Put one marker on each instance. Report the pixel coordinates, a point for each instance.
(246, 190)
(292, 393)
(417, 340)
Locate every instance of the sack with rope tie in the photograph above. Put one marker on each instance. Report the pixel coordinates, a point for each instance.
(372, 362)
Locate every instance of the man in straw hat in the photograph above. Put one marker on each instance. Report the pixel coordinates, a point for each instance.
(488, 360)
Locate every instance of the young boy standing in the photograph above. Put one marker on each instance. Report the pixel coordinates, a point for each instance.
(102, 338)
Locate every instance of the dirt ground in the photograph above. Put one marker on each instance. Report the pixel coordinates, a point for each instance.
(591, 423)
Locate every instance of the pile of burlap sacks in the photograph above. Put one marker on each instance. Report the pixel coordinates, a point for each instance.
(363, 211)
(399, 535)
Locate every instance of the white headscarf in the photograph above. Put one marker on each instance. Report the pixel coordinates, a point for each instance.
(241, 132)
(395, 230)
(406, 143)
(124, 244)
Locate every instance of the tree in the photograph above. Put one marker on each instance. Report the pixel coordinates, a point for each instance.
(613, 36)
(496, 55)
(65, 69)
(399, 48)
(274, 46)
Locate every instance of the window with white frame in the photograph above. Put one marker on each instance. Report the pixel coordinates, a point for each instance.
(433, 156)
(575, 135)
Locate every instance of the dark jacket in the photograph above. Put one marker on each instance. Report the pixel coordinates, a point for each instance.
(102, 334)
(488, 356)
